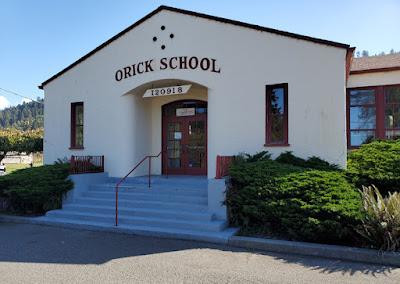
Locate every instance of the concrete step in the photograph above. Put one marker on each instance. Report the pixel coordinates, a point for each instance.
(213, 226)
(141, 212)
(161, 232)
(147, 197)
(190, 181)
(142, 204)
(155, 189)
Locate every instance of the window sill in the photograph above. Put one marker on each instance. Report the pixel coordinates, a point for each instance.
(277, 145)
(76, 148)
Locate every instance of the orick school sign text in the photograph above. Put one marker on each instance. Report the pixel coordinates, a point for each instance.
(171, 63)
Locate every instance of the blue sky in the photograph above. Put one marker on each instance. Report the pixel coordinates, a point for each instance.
(39, 38)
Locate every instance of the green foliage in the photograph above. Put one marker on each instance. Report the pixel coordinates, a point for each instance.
(381, 222)
(25, 116)
(12, 140)
(36, 190)
(311, 163)
(376, 163)
(247, 158)
(294, 202)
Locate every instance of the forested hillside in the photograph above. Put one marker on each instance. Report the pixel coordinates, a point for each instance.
(26, 116)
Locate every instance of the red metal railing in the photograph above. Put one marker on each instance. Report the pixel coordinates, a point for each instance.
(86, 164)
(126, 176)
(223, 163)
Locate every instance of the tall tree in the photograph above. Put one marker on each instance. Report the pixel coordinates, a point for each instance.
(12, 140)
(25, 116)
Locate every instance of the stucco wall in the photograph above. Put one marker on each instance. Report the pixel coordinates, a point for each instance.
(374, 79)
(116, 122)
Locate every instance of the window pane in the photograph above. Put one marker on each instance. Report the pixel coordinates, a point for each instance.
(392, 134)
(277, 129)
(79, 136)
(392, 95)
(277, 101)
(360, 137)
(79, 114)
(362, 97)
(392, 116)
(362, 118)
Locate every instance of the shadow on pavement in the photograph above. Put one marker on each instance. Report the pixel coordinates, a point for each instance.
(43, 244)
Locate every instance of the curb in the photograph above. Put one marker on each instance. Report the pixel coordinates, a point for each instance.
(311, 249)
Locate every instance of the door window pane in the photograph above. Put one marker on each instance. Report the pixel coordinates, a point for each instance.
(170, 109)
(174, 147)
(196, 147)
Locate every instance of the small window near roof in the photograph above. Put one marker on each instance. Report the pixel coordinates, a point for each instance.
(77, 125)
(277, 115)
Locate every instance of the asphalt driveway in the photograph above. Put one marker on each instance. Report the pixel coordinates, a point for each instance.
(41, 254)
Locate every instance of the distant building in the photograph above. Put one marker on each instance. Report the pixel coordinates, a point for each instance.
(373, 99)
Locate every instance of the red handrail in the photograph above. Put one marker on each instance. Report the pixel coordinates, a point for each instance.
(125, 177)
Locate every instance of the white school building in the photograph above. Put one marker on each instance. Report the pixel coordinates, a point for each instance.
(190, 88)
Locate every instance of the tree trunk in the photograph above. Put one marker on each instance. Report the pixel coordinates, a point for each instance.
(2, 156)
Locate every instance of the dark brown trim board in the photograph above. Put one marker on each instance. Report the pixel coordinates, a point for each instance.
(386, 69)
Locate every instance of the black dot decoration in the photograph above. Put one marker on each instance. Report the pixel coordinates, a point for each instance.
(171, 35)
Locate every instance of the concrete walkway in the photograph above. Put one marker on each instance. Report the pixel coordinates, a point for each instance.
(41, 254)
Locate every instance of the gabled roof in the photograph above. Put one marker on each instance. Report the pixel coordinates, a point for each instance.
(381, 63)
(200, 15)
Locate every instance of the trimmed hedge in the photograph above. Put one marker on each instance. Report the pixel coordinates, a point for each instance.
(293, 202)
(36, 190)
(376, 163)
(311, 163)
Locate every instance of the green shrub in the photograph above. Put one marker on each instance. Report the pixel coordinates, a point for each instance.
(311, 163)
(376, 163)
(36, 190)
(247, 158)
(381, 224)
(294, 202)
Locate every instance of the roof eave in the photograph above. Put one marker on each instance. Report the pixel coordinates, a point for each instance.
(374, 70)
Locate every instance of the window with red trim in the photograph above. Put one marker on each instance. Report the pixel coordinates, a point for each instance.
(77, 125)
(277, 115)
(373, 113)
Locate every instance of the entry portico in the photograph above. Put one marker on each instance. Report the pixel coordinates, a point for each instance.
(174, 123)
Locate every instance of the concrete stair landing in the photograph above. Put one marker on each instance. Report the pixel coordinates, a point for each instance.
(176, 207)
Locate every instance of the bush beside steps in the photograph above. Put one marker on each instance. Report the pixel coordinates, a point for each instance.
(34, 191)
(311, 200)
(291, 202)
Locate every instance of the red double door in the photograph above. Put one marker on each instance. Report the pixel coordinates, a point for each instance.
(185, 138)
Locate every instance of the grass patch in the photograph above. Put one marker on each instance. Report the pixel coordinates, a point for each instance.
(15, 167)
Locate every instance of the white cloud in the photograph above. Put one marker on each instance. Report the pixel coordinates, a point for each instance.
(4, 102)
